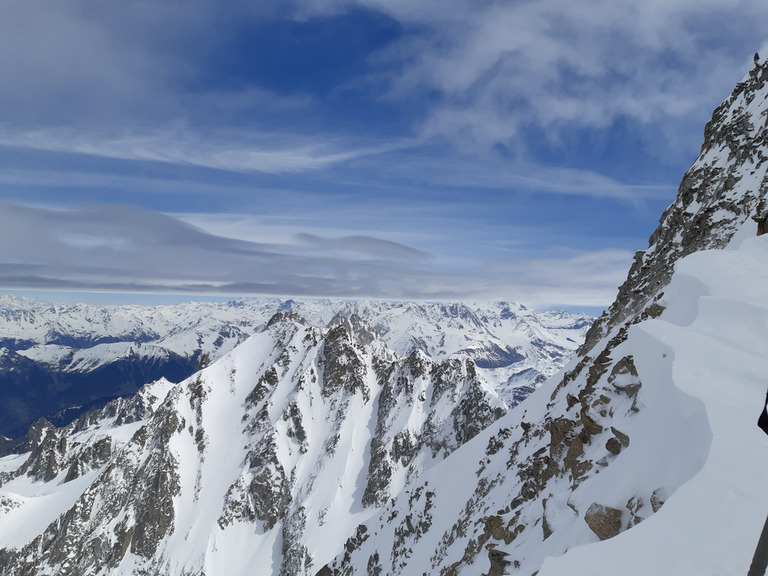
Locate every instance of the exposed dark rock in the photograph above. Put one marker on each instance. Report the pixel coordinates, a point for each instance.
(342, 367)
(621, 437)
(604, 521)
(656, 501)
(590, 426)
(285, 316)
(295, 556)
(499, 562)
(358, 330)
(613, 446)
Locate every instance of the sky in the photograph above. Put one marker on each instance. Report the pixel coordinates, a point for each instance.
(418, 150)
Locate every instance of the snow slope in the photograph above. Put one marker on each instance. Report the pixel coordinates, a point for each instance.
(689, 487)
(716, 330)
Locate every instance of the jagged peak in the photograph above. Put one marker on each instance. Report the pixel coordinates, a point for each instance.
(358, 330)
(284, 316)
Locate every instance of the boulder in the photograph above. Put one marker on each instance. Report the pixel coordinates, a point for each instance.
(604, 521)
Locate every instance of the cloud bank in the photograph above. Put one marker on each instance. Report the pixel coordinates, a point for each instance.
(122, 249)
(399, 149)
(135, 80)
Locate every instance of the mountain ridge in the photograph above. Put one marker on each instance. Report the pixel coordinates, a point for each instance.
(83, 356)
(533, 493)
(317, 411)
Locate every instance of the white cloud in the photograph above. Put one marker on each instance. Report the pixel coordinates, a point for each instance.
(115, 83)
(269, 153)
(498, 66)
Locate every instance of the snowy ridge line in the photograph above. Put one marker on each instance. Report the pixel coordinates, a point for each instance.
(80, 355)
(583, 478)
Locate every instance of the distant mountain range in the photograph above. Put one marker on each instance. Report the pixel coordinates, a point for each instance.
(59, 361)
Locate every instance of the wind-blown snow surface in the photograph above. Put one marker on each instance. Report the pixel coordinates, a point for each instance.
(714, 334)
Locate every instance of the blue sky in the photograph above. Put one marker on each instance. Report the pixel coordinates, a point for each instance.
(403, 150)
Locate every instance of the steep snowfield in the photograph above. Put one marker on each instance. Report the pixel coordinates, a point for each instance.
(715, 331)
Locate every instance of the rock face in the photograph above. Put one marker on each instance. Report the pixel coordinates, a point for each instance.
(297, 430)
(604, 521)
(724, 188)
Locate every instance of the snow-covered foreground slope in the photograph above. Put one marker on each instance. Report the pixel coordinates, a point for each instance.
(694, 455)
(715, 334)
(78, 355)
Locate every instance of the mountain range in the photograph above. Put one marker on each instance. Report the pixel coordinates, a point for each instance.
(59, 361)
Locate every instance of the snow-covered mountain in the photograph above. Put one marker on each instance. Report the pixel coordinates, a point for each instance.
(77, 356)
(322, 452)
(270, 457)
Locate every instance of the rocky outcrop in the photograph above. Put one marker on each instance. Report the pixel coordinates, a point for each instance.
(604, 521)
